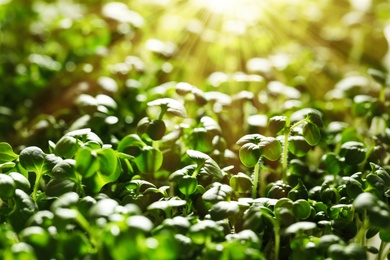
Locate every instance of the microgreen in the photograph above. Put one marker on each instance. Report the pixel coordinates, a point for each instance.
(128, 142)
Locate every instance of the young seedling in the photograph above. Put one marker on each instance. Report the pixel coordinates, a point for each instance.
(255, 147)
(311, 122)
(33, 159)
(156, 128)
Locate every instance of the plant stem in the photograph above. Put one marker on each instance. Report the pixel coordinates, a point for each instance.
(382, 94)
(362, 231)
(36, 185)
(277, 241)
(287, 131)
(384, 247)
(276, 234)
(256, 176)
(285, 154)
(164, 109)
(196, 171)
(381, 248)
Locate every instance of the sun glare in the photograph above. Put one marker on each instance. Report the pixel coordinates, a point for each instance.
(225, 6)
(224, 35)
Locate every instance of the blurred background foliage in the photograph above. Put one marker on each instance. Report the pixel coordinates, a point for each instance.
(58, 56)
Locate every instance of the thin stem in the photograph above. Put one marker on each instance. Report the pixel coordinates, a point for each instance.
(387, 252)
(164, 109)
(382, 94)
(196, 171)
(287, 131)
(361, 238)
(84, 224)
(277, 241)
(381, 248)
(285, 153)
(276, 234)
(36, 185)
(256, 177)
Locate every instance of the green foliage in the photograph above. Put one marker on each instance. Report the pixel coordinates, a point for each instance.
(128, 135)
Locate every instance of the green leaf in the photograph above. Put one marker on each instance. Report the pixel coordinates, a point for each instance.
(224, 209)
(137, 184)
(75, 245)
(202, 139)
(276, 124)
(108, 163)
(56, 187)
(249, 154)
(378, 75)
(210, 125)
(283, 203)
(270, 148)
(6, 153)
(341, 211)
(246, 236)
(314, 117)
(51, 160)
(35, 236)
(87, 163)
(354, 187)
(23, 210)
(109, 170)
(384, 235)
(355, 251)
(66, 200)
(4, 167)
(326, 241)
(197, 156)
(308, 114)
(21, 182)
(187, 185)
(364, 201)
(150, 160)
(376, 182)
(298, 192)
(156, 129)
(207, 165)
(173, 106)
(218, 192)
(311, 133)
(298, 146)
(301, 209)
(332, 163)
(139, 223)
(203, 229)
(300, 226)
(65, 169)
(254, 146)
(298, 168)
(79, 132)
(178, 224)
(32, 159)
(353, 152)
(67, 146)
(142, 126)
(103, 208)
(43, 218)
(187, 170)
(7, 187)
(107, 101)
(371, 232)
(166, 204)
(241, 183)
(250, 138)
(183, 88)
(22, 250)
